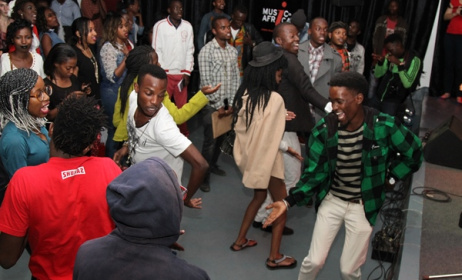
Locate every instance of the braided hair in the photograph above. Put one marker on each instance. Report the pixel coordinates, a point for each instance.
(138, 57)
(15, 87)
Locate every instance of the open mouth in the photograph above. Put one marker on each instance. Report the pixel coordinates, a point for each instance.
(45, 109)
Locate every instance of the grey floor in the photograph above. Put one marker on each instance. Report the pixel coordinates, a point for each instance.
(211, 230)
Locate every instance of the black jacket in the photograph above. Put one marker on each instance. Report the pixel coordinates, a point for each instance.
(297, 91)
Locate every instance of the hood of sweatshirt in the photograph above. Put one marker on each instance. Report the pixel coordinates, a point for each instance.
(146, 203)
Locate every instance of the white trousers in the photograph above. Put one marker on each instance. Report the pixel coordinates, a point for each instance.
(292, 172)
(332, 213)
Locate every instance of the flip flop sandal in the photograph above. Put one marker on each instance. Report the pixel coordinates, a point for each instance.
(248, 243)
(278, 265)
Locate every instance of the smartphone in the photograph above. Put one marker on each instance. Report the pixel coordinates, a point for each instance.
(226, 103)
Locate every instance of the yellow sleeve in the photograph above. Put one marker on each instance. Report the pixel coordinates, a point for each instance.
(120, 121)
(116, 117)
(194, 105)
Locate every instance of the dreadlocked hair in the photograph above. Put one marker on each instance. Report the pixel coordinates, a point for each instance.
(15, 87)
(138, 57)
(258, 84)
(77, 124)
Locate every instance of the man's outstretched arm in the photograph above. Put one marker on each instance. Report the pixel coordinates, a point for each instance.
(199, 167)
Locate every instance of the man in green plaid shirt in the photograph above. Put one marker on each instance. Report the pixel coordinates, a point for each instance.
(352, 154)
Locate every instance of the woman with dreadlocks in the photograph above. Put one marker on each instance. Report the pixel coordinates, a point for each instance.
(139, 56)
(24, 101)
(259, 122)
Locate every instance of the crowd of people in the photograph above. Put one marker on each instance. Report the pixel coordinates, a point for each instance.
(78, 193)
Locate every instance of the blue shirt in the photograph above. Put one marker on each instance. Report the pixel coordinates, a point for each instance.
(66, 12)
(18, 149)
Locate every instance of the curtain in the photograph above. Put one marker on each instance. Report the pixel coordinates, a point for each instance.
(419, 15)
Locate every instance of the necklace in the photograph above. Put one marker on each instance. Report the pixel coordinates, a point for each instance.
(88, 53)
(134, 138)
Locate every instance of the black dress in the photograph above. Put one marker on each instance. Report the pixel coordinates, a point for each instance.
(87, 72)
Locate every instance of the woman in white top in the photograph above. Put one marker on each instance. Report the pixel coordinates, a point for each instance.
(19, 34)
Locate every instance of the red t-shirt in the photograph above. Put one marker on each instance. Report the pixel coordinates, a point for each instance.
(455, 25)
(60, 204)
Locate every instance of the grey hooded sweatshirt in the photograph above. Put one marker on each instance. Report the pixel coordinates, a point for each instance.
(146, 204)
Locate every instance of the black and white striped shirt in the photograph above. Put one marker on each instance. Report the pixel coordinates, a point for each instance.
(347, 181)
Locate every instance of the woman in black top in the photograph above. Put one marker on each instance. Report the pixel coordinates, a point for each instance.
(59, 67)
(83, 39)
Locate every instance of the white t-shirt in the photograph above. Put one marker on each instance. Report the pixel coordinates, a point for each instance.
(160, 137)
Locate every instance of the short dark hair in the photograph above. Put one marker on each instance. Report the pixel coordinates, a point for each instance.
(215, 19)
(14, 27)
(393, 38)
(277, 30)
(357, 21)
(351, 80)
(153, 70)
(336, 25)
(77, 124)
(170, 2)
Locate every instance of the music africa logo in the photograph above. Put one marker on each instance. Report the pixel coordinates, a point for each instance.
(276, 16)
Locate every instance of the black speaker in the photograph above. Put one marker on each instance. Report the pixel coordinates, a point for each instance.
(343, 3)
(444, 145)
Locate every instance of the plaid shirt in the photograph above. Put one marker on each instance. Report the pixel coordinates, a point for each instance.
(345, 59)
(316, 55)
(218, 65)
(383, 138)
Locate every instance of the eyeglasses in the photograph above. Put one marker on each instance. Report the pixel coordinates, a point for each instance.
(40, 94)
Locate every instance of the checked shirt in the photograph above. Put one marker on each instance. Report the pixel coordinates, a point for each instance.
(218, 65)
(383, 138)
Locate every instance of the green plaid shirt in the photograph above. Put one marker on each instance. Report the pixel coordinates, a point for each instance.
(388, 147)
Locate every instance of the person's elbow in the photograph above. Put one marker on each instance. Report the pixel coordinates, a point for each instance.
(6, 261)
(201, 165)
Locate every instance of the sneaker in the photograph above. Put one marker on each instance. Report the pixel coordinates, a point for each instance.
(217, 171)
(205, 187)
